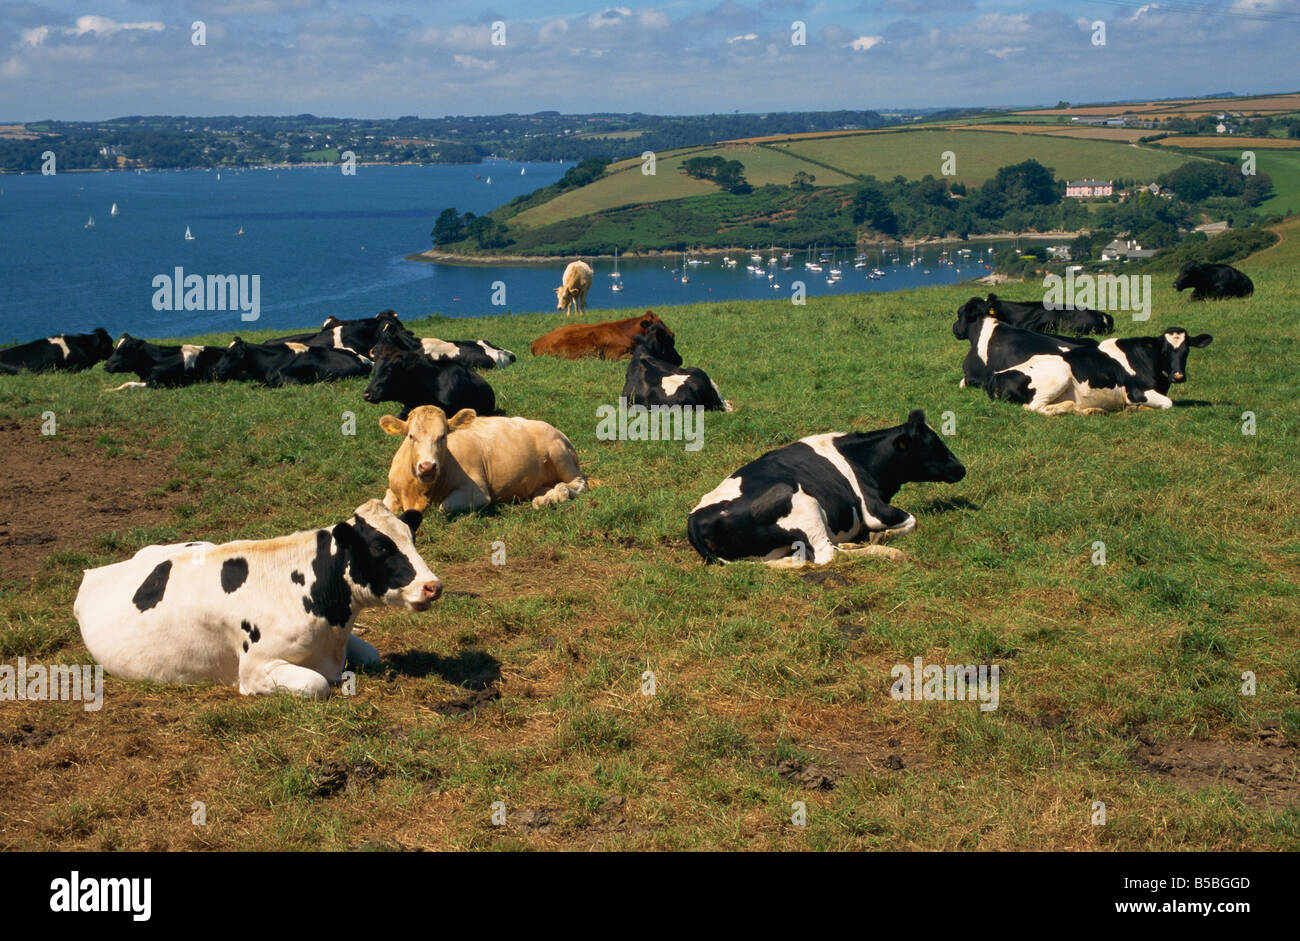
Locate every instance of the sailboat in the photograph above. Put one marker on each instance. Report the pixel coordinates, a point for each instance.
(489, 180)
(90, 223)
(113, 211)
(241, 231)
(189, 236)
(684, 278)
(522, 170)
(616, 285)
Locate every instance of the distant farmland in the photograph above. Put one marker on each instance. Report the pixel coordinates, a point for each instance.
(838, 159)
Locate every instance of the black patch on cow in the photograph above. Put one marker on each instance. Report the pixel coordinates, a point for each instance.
(330, 597)
(376, 562)
(245, 646)
(234, 572)
(251, 630)
(297, 577)
(151, 589)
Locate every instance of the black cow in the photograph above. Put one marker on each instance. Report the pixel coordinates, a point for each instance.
(655, 376)
(281, 364)
(413, 379)
(163, 366)
(807, 500)
(472, 354)
(1038, 316)
(72, 352)
(1213, 282)
(1116, 374)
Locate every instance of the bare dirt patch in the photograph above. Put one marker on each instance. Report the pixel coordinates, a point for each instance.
(61, 492)
(1266, 773)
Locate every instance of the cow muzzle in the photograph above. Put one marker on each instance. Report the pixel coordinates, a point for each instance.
(429, 593)
(426, 472)
(1178, 377)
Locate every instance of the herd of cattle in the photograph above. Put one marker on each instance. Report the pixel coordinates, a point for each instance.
(277, 614)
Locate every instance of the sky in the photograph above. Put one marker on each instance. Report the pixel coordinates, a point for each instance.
(108, 58)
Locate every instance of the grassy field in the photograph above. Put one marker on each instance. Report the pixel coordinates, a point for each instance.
(980, 153)
(1120, 683)
(626, 184)
(1282, 165)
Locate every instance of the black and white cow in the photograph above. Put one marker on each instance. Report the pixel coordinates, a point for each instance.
(809, 499)
(472, 354)
(163, 366)
(996, 345)
(72, 352)
(413, 380)
(656, 376)
(359, 335)
(1037, 316)
(1213, 282)
(1117, 374)
(281, 364)
(265, 615)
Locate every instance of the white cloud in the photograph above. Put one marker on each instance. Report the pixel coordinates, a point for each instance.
(863, 43)
(1145, 8)
(1006, 51)
(99, 25)
(747, 37)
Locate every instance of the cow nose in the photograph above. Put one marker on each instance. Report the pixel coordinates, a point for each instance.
(1179, 377)
(430, 591)
(424, 468)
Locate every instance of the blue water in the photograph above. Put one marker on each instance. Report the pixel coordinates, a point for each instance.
(324, 244)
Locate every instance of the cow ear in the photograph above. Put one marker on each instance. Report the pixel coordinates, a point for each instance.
(393, 425)
(915, 419)
(344, 534)
(1202, 340)
(412, 518)
(461, 418)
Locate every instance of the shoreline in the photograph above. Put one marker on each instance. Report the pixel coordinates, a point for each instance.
(437, 256)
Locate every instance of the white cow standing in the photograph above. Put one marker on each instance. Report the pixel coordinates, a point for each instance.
(266, 615)
(574, 286)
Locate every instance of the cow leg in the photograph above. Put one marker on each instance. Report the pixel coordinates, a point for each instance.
(128, 385)
(1156, 400)
(807, 516)
(464, 501)
(884, 552)
(1067, 407)
(563, 464)
(281, 676)
(360, 653)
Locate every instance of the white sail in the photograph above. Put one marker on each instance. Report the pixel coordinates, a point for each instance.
(113, 211)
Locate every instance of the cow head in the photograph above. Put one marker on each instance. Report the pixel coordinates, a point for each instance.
(1189, 276)
(386, 377)
(563, 297)
(393, 336)
(650, 318)
(426, 430)
(970, 313)
(1170, 353)
(1084, 320)
(383, 566)
(125, 355)
(232, 364)
(103, 343)
(924, 455)
(658, 342)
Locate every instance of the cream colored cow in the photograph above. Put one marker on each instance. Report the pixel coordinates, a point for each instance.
(470, 461)
(572, 292)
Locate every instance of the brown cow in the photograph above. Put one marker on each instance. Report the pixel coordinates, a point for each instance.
(611, 339)
(468, 461)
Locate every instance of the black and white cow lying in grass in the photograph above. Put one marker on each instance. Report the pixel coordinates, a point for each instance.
(162, 366)
(71, 352)
(1037, 316)
(281, 364)
(472, 354)
(1213, 282)
(656, 376)
(1054, 375)
(266, 615)
(808, 500)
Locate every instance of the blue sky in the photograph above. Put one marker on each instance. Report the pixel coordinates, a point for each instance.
(432, 58)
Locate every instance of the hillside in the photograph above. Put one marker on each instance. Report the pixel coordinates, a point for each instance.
(1120, 683)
